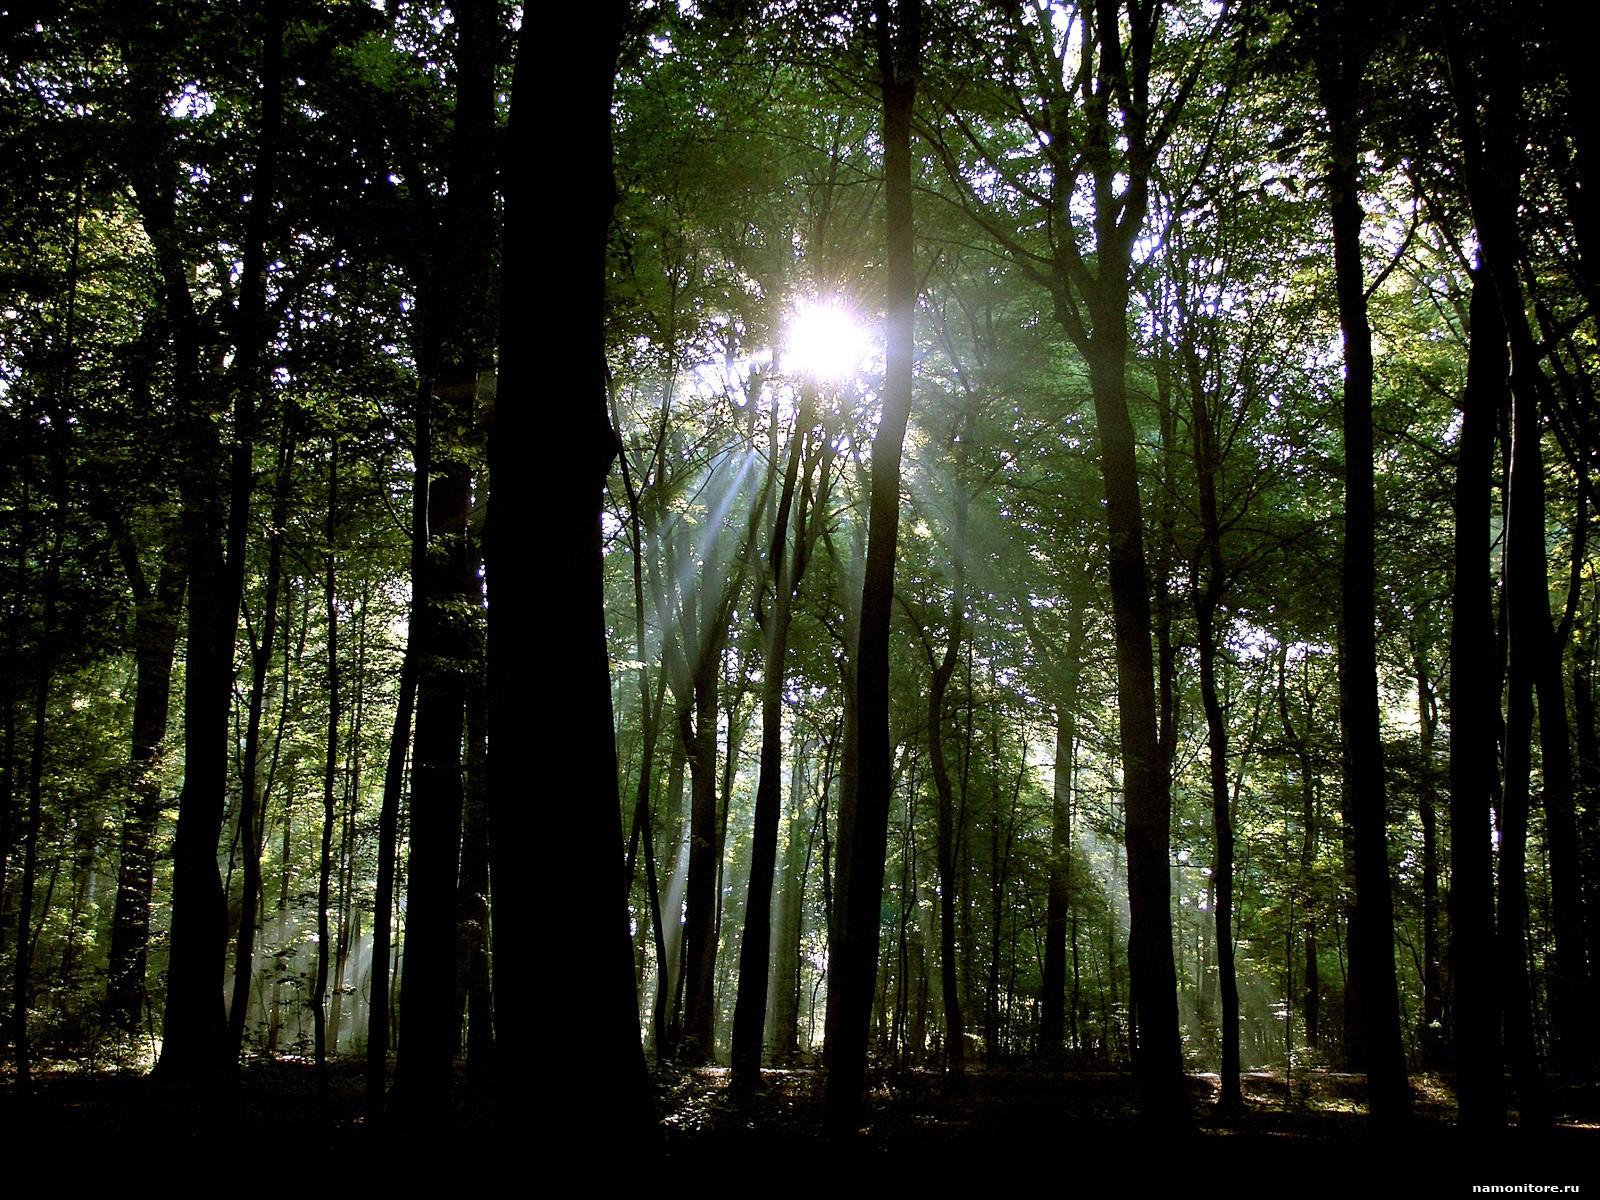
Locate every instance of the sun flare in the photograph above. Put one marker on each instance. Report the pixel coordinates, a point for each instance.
(825, 340)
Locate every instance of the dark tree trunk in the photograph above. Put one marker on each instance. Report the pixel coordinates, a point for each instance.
(194, 1045)
(1340, 66)
(1494, 166)
(1474, 760)
(949, 986)
(1113, 160)
(698, 729)
(599, 1054)
(449, 591)
(864, 828)
(750, 1006)
(1210, 583)
(1431, 1034)
(783, 1009)
(319, 986)
(473, 999)
(155, 639)
(250, 830)
(48, 651)
(389, 819)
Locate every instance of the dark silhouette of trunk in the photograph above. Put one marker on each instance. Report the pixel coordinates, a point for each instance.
(389, 821)
(1210, 576)
(319, 987)
(155, 638)
(457, 321)
(393, 784)
(697, 726)
(250, 791)
(650, 710)
(194, 1046)
(1494, 165)
(473, 1000)
(1431, 1035)
(949, 985)
(783, 1008)
(864, 825)
(599, 1052)
(348, 930)
(1588, 743)
(48, 651)
(750, 1006)
(1341, 62)
(1090, 295)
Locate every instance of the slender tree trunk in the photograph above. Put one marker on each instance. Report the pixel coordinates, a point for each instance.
(194, 1047)
(1493, 153)
(451, 596)
(783, 1009)
(698, 728)
(1432, 1032)
(319, 987)
(950, 991)
(1341, 63)
(250, 786)
(155, 642)
(863, 829)
(1211, 581)
(393, 784)
(750, 1007)
(22, 989)
(473, 998)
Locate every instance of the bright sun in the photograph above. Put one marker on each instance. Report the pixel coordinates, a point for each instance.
(825, 340)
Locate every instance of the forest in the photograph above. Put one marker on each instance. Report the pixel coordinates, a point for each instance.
(811, 576)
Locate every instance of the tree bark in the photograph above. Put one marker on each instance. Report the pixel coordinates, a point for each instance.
(864, 828)
(1340, 65)
(750, 1006)
(155, 639)
(457, 330)
(194, 1046)
(250, 786)
(599, 1055)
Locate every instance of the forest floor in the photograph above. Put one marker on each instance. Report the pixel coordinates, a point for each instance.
(1305, 1136)
(1308, 1135)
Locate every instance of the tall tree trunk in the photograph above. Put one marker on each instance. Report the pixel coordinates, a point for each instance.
(698, 728)
(194, 1047)
(393, 784)
(250, 830)
(1112, 158)
(458, 328)
(319, 987)
(1432, 1032)
(750, 1006)
(864, 827)
(473, 999)
(22, 979)
(1059, 902)
(783, 1009)
(950, 991)
(600, 1054)
(1340, 66)
(155, 637)
(1210, 583)
(1494, 165)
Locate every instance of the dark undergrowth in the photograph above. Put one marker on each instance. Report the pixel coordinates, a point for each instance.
(1307, 1135)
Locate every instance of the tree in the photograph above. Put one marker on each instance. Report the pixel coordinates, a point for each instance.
(864, 815)
(1342, 52)
(593, 939)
